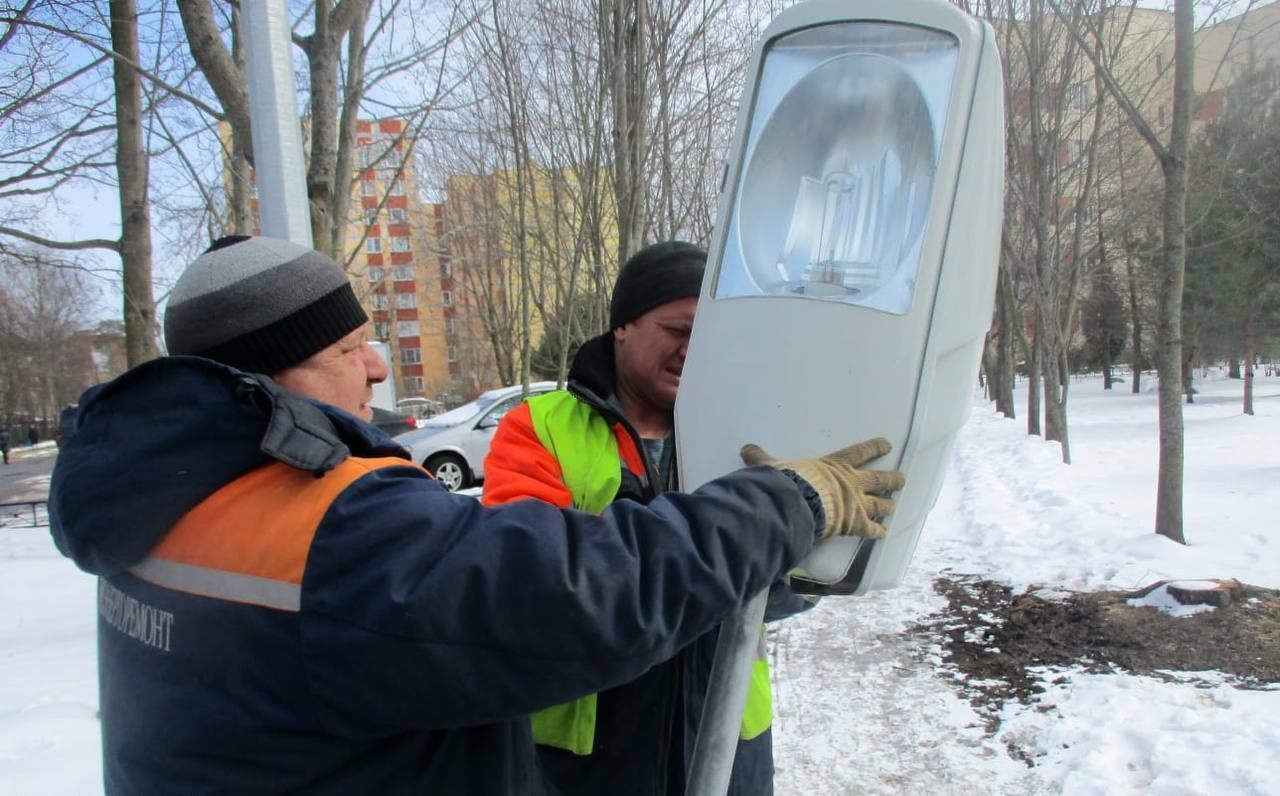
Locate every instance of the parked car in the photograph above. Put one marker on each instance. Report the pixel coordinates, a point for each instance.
(420, 408)
(393, 423)
(452, 446)
(66, 424)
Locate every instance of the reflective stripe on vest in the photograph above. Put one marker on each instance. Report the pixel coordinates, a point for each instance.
(586, 448)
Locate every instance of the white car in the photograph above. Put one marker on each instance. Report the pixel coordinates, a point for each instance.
(452, 446)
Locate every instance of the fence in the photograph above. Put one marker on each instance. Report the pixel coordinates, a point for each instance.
(24, 514)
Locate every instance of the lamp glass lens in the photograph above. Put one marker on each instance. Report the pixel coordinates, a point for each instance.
(840, 159)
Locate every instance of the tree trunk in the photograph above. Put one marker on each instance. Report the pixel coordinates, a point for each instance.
(1250, 351)
(1106, 363)
(332, 23)
(1174, 165)
(322, 58)
(343, 175)
(1233, 368)
(241, 169)
(1006, 317)
(1135, 318)
(132, 173)
(1033, 387)
(1055, 400)
(1188, 373)
(624, 29)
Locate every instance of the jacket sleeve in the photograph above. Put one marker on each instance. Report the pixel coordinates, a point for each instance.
(424, 609)
(519, 466)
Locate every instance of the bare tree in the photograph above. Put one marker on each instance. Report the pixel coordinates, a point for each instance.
(343, 84)
(613, 136)
(48, 41)
(132, 169)
(1233, 267)
(1052, 133)
(1172, 157)
(45, 302)
(623, 33)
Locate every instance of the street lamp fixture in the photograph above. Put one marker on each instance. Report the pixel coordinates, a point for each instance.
(850, 281)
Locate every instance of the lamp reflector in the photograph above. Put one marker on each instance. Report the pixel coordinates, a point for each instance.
(843, 150)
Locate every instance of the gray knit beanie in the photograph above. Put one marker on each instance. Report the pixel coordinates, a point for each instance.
(260, 305)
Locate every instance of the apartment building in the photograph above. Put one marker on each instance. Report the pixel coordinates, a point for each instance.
(399, 269)
(396, 263)
(1238, 60)
(525, 250)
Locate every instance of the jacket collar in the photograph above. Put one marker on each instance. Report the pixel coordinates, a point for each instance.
(592, 377)
(158, 440)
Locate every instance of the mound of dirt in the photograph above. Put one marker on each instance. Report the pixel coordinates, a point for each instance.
(992, 637)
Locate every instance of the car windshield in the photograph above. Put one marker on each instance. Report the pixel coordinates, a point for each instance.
(465, 412)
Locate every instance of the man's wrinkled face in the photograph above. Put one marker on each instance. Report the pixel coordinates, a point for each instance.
(650, 352)
(341, 375)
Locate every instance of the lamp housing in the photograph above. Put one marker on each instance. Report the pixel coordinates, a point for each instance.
(851, 277)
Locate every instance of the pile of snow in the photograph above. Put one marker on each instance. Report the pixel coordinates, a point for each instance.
(860, 709)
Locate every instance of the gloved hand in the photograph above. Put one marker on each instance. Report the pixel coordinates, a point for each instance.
(847, 493)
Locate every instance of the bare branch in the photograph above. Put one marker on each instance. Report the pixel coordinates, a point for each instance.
(225, 77)
(147, 73)
(61, 245)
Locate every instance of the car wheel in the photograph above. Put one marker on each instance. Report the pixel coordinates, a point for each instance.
(450, 471)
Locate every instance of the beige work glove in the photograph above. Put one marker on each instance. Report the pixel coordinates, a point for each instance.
(850, 496)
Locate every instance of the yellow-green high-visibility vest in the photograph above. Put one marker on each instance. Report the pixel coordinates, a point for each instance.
(584, 444)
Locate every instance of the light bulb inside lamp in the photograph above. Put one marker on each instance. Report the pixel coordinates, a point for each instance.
(836, 188)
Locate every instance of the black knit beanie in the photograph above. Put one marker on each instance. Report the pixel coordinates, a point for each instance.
(260, 305)
(655, 275)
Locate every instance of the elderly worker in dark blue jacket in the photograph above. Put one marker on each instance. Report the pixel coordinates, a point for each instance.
(286, 604)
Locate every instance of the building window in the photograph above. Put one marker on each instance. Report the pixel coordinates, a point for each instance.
(1078, 152)
(402, 273)
(1159, 63)
(381, 330)
(446, 298)
(446, 270)
(407, 329)
(451, 352)
(399, 215)
(414, 384)
(371, 216)
(369, 188)
(397, 187)
(380, 301)
(410, 356)
(406, 301)
(448, 326)
(399, 244)
(1078, 96)
(373, 244)
(376, 273)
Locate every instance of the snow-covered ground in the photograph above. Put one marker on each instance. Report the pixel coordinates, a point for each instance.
(860, 707)
(860, 710)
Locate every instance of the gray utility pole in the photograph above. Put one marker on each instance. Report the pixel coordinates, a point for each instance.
(273, 108)
(717, 742)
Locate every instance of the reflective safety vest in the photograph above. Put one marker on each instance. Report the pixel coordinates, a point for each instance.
(586, 448)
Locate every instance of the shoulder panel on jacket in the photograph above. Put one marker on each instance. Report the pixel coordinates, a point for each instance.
(519, 466)
(248, 542)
